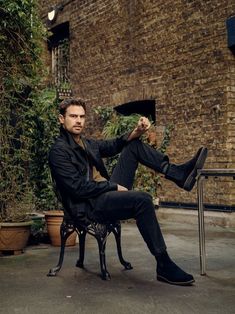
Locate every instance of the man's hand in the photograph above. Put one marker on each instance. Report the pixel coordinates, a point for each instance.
(121, 188)
(142, 126)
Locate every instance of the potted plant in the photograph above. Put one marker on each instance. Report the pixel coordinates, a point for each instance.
(20, 72)
(15, 221)
(16, 197)
(54, 219)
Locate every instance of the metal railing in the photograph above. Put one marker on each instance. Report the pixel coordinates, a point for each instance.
(202, 175)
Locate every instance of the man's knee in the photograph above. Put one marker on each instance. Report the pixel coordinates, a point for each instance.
(144, 202)
(133, 144)
(144, 196)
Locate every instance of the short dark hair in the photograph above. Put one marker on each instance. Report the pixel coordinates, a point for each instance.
(71, 102)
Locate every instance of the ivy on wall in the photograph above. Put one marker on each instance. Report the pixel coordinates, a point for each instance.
(43, 128)
(21, 35)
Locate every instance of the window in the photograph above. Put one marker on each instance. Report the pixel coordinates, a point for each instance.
(59, 48)
(60, 63)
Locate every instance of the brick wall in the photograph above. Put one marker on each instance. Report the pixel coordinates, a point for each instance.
(174, 52)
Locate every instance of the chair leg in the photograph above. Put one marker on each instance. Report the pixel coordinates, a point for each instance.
(102, 244)
(117, 233)
(65, 232)
(82, 238)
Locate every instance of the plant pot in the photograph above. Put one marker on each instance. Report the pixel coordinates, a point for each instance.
(54, 219)
(14, 236)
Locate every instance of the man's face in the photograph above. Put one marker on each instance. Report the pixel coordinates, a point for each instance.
(74, 119)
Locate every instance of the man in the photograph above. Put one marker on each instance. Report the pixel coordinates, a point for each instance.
(86, 189)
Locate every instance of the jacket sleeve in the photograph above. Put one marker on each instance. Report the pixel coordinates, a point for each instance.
(70, 181)
(112, 147)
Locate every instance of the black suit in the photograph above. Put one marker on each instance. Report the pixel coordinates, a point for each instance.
(71, 169)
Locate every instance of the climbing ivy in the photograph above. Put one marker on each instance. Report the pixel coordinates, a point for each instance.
(21, 35)
(43, 128)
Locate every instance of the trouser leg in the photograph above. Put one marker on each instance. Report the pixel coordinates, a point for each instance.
(184, 175)
(138, 205)
(133, 204)
(116, 205)
(137, 152)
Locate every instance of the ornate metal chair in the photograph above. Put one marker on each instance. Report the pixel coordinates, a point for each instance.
(97, 230)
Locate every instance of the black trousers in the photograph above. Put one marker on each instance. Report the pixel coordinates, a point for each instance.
(117, 205)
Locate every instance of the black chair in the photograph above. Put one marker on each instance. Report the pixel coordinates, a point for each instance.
(97, 230)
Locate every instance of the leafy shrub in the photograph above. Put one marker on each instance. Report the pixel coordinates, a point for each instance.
(21, 33)
(43, 128)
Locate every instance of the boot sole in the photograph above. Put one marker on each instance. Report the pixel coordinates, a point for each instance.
(191, 179)
(178, 283)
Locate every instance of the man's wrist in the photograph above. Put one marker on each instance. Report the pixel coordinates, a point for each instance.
(134, 134)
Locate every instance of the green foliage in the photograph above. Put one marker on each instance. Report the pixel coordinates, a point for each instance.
(43, 128)
(119, 124)
(21, 33)
(166, 138)
(115, 125)
(104, 113)
(17, 210)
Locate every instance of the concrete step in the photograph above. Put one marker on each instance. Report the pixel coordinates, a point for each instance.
(222, 219)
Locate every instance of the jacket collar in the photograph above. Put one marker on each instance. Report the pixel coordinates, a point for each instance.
(68, 138)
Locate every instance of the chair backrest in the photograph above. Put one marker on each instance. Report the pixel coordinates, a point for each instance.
(82, 220)
(67, 216)
(56, 190)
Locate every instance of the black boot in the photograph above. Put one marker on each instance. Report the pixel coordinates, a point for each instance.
(169, 272)
(184, 175)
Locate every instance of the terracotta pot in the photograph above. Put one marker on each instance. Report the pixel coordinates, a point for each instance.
(14, 236)
(54, 219)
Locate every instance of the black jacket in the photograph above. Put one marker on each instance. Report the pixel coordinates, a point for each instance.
(69, 166)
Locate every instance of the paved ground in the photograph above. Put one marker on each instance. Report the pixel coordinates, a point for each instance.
(25, 288)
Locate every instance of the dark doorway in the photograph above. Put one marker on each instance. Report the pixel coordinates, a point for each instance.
(143, 107)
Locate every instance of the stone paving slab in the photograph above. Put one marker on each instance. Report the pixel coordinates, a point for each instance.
(25, 288)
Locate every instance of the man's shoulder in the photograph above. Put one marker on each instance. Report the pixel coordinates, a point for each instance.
(59, 144)
(59, 141)
(58, 150)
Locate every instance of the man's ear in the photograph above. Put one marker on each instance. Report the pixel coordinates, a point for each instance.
(61, 118)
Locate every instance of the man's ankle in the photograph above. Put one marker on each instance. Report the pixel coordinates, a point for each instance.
(163, 258)
(165, 166)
